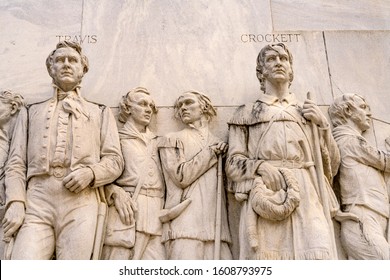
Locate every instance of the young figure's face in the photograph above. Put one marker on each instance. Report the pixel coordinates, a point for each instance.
(277, 66)
(5, 112)
(189, 108)
(361, 115)
(141, 108)
(67, 68)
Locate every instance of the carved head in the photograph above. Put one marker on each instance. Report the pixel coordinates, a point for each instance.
(137, 105)
(67, 64)
(10, 104)
(350, 108)
(193, 105)
(262, 70)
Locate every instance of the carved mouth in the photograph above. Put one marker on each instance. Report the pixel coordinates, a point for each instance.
(279, 70)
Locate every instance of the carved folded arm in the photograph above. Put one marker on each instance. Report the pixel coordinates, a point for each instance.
(184, 172)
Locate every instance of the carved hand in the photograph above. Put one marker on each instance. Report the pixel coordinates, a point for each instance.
(13, 219)
(271, 176)
(125, 206)
(78, 180)
(220, 148)
(313, 113)
(241, 196)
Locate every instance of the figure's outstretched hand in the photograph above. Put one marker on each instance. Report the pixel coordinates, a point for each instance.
(13, 219)
(271, 176)
(78, 180)
(125, 206)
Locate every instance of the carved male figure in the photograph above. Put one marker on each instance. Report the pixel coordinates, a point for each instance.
(73, 148)
(363, 189)
(270, 164)
(13, 121)
(143, 172)
(189, 159)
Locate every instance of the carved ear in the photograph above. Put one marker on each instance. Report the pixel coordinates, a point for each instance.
(259, 75)
(14, 108)
(348, 111)
(128, 109)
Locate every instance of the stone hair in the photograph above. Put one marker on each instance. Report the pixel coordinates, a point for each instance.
(126, 101)
(337, 111)
(9, 97)
(261, 62)
(68, 44)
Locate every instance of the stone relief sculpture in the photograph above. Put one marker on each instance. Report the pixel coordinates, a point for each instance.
(189, 160)
(62, 161)
(73, 148)
(13, 121)
(140, 189)
(363, 191)
(287, 203)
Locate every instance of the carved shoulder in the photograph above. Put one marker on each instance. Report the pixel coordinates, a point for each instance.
(28, 106)
(170, 141)
(247, 114)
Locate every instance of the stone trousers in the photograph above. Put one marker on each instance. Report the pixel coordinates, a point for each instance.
(366, 239)
(58, 224)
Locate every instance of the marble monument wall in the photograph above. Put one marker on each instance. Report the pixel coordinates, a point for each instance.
(174, 46)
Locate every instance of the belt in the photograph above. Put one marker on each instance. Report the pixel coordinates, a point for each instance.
(291, 164)
(58, 171)
(146, 192)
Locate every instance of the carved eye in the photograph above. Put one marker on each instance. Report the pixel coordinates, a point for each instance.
(73, 59)
(59, 59)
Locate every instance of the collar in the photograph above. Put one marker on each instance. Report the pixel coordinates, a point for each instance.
(128, 131)
(60, 94)
(289, 99)
(344, 129)
(202, 130)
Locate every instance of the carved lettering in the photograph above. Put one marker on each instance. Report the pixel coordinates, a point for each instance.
(270, 38)
(81, 39)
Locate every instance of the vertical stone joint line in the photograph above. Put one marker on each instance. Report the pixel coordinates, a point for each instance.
(82, 19)
(271, 14)
(328, 65)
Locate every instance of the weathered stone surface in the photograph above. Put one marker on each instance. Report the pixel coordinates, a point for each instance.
(28, 31)
(360, 63)
(174, 46)
(330, 15)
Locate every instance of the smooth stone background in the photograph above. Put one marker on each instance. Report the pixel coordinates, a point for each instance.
(330, 14)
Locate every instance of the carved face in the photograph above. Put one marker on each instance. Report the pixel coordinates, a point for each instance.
(189, 108)
(277, 66)
(67, 68)
(361, 115)
(5, 112)
(141, 108)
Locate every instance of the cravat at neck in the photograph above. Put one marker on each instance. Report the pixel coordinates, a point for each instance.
(71, 101)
